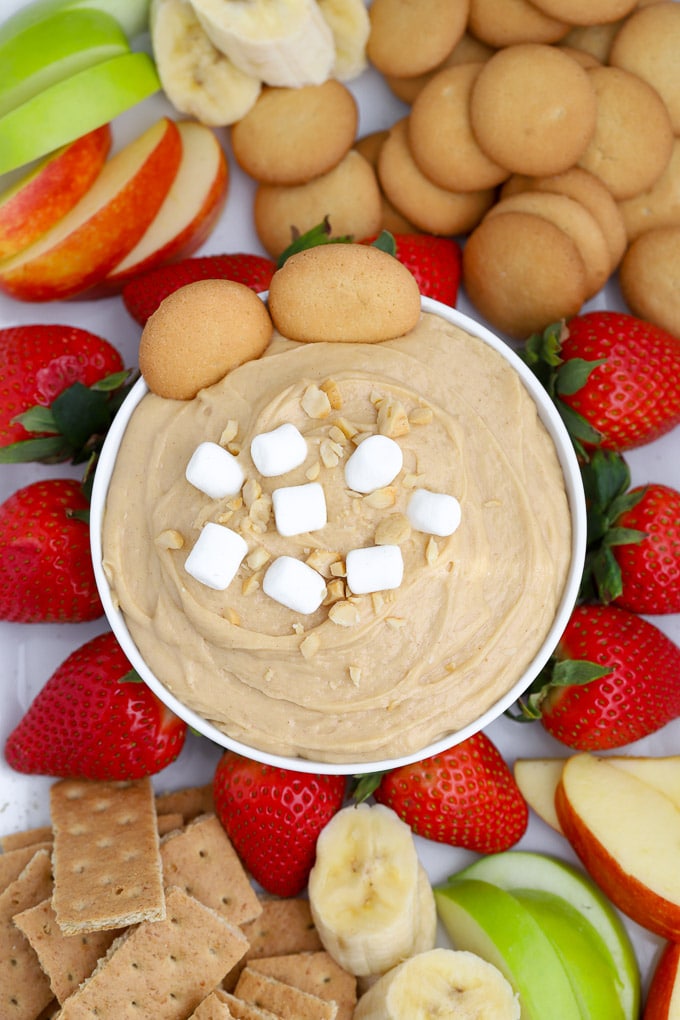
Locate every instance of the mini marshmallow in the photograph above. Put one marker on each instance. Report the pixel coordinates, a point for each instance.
(376, 462)
(375, 568)
(433, 512)
(299, 508)
(278, 451)
(214, 471)
(294, 584)
(216, 556)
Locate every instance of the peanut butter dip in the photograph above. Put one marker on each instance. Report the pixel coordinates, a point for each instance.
(364, 677)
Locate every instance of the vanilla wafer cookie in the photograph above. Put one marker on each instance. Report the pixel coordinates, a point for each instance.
(107, 866)
(160, 969)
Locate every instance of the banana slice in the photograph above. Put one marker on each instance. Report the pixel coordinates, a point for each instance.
(197, 79)
(349, 22)
(281, 42)
(364, 889)
(442, 982)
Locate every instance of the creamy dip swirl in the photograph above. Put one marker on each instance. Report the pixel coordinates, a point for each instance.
(364, 677)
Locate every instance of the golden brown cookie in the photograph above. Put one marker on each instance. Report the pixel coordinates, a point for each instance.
(576, 222)
(506, 22)
(657, 207)
(292, 135)
(198, 334)
(583, 187)
(586, 12)
(650, 277)
(349, 195)
(581, 57)
(409, 38)
(369, 146)
(343, 293)
(440, 136)
(429, 207)
(594, 40)
(648, 44)
(633, 137)
(466, 50)
(521, 272)
(533, 109)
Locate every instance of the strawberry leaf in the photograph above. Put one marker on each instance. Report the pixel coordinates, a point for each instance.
(558, 673)
(320, 234)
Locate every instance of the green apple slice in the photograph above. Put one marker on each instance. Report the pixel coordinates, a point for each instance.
(73, 107)
(54, 49)
(492, 923)
(521, 869)
(582, 952)
(132, 15)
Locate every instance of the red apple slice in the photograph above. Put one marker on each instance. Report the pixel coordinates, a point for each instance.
(104, 226)
(191, 208)
(627, 835)
(40, 199)
(663, 997)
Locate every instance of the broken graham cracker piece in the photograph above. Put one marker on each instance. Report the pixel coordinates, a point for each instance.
(66, 959)
(284, 926)
(215, 1007)
(239, 1009)
(168, 823)
(282, 999)
(316, 973)
(106, 858)
(160, 969)
(201, 860)
(13, 862)
(189, 802)
(27, 837)
(24, 988)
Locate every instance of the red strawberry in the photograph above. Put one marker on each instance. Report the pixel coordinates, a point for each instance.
(633, 555)
(46, 572)
(143, 295)
(95, 719)
(465, 796)
(435, 262)
(273, 817)
(613, 376)
(615, 678)
(650, 569)
(60, 388)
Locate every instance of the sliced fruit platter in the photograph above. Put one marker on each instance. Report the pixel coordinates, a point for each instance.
(543, 851)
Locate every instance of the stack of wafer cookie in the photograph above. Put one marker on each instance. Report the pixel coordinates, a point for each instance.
(132, 904)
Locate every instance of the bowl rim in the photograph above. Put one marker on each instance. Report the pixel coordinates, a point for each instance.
(551, 419)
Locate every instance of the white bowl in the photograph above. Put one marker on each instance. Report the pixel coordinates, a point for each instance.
(574, 489)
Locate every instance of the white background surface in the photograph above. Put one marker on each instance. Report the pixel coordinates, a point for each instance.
(29, 653)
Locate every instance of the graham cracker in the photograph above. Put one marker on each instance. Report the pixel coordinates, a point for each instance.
(66, 959)
(160, 969)
(15, 840)
(213, 1008)
(201, 860)
(107, 866)
(282, 999)
(316, 973)
(284, 926)
(242, 1010)
(24, 988)
(189, 802)
(168, 823)
(13, 862)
